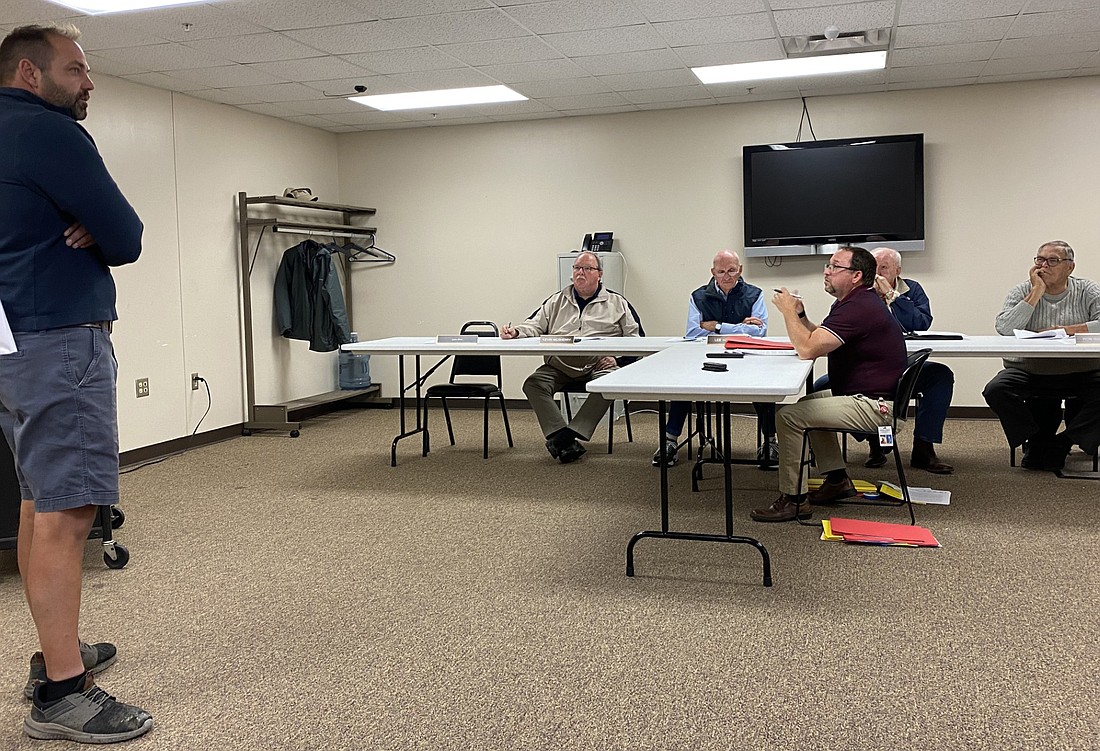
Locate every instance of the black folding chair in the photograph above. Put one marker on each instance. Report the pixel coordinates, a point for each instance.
(465, 367)
(903, 394)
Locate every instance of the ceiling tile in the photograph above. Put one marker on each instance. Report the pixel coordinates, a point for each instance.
(1038, 6)
(680, 10)
(499, 109)
(18, 12)
(311, 69)
(354, 38)
(254, 48)
(432, 80)
(468, 26)
(655, 79)
(1043, 45)
(734, 52)
(931, 84)
(272, 110)
(278, 92)
(498, 51)
(312, 121)
(404, 60)
(281, 15)
(675, 105)
(161, 81)
(226, 76)
(1038, 64)
(667, 94)
(606, 41)
(912, 13)
(956, 32)
(933, 72)
(205, 21)
(716, 30)
(375, 85)
(947, 53)
(848, 17)
(405, 8)
(102, 32)
(1037, 76)
(167, 56)
(561, 87)
(629, 62)
(542, 70)
(584, 101)
(100, 64)
(1059, 22)
(576, 15)
(222, 96)
(326, 106)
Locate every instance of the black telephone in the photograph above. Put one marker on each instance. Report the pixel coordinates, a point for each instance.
(598, 242)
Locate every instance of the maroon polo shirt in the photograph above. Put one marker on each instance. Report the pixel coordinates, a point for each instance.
(871, 356)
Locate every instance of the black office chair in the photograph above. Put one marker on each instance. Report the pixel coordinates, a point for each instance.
(1072, 406)
(471, 366)
(903, 394)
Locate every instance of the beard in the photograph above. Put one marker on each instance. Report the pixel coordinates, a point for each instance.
(76, 103)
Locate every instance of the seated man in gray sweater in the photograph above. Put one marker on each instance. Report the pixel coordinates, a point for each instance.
(1027, 394)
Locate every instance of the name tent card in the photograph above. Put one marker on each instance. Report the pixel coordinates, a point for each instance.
(457, 339)
(557, 339)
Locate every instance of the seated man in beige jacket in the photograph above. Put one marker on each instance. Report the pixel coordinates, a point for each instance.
(584, 308)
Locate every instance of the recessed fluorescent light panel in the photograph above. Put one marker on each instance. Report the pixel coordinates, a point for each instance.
(413, 100)
(96, 7)
(792, 67)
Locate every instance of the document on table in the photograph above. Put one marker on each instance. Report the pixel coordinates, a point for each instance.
(7, 341)
(1053, 334)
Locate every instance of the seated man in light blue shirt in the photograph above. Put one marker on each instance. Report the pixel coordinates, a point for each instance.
(727, 304)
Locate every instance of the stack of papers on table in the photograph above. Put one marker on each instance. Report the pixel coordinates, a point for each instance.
(1052, 334)
(877, 533)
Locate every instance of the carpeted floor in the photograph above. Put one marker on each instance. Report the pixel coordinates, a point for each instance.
(303, 594)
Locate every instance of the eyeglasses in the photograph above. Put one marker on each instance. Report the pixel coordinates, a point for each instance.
(586, 269)
(837, 267)
(1040, 261)
(731, 272)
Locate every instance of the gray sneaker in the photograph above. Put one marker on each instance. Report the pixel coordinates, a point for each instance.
(96, 658)
(90, 715)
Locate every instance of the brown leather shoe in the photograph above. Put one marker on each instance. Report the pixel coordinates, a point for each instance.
(783, 509)
(832, 491)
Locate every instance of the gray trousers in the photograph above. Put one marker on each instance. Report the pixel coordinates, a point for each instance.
(822, 410)
(546, 381)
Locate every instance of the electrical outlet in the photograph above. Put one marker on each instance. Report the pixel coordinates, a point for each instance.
(142, 387)
(194, 381)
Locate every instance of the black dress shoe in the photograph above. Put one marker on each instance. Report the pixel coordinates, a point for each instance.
(877, 457)
(571, 452)
(783, 509)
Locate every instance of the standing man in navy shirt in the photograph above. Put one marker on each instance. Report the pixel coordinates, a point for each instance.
(866, 351)
(63, 224)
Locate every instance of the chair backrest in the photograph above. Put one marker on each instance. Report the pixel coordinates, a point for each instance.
(908, 383)
(477, 365)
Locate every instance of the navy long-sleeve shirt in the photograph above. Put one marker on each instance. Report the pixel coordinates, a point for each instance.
(51, 175)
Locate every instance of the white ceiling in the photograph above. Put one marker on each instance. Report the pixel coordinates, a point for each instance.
(571, 57)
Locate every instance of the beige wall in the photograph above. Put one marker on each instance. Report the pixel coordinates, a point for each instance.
(476, 214)
(181, 162)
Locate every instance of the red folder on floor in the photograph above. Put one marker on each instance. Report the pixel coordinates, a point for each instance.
(878, 533)
(751, 342)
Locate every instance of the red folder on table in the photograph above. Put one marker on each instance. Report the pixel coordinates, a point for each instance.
(751, 342)
(878, 533)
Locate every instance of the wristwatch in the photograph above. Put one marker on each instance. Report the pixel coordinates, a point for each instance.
(718, 328)
(801, 314)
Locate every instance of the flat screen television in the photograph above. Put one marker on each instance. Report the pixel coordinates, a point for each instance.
(844, 190)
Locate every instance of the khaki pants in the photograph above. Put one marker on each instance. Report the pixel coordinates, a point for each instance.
(822, 410)
(546, 381)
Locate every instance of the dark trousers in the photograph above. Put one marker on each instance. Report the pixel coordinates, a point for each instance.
(1029, 406)
(678, 412)
(935, 387)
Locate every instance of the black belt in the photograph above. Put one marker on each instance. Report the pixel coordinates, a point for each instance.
(101, 325)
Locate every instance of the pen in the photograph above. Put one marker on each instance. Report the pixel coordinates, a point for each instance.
(792, 294)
